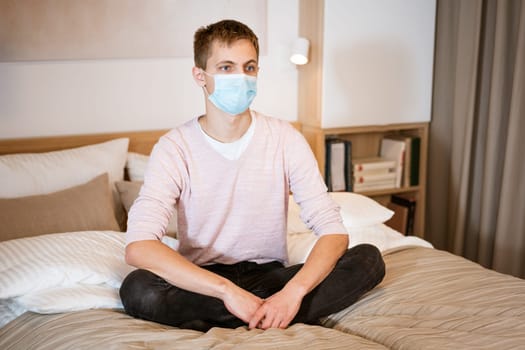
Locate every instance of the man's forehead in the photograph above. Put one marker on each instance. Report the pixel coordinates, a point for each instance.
(230, 51)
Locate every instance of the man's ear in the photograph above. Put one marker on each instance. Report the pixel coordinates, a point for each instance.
(198, 76)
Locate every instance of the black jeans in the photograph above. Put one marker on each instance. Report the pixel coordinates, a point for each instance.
(148, 296)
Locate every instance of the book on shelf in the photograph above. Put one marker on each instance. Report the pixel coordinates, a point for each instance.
(399, 220)
(410, 172)
(338, 167)
(409, 202)
(377, 164)
(374, 186)
(415, 153)
(405, 172)
(373, 173)
(394, 149)
(365, 177)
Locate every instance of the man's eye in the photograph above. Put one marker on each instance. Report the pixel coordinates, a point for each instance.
(251, 69)
(225, 68)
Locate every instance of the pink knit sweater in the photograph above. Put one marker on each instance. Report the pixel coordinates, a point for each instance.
(232, 210)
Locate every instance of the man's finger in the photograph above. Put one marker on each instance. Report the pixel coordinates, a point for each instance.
(285, 323)
(256, 318)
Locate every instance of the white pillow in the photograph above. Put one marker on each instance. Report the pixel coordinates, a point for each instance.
(383, 237)
(41, 173)
(357, 211)
(136, 165)
(360, 211)
(63, 272)
(79, 297)
(32, 264)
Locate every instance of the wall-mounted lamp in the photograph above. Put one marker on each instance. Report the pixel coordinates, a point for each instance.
(300, 50)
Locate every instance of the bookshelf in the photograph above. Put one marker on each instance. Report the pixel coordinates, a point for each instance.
(330, 99)
(366, 141)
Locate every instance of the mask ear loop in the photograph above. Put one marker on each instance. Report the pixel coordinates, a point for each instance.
(204, 87)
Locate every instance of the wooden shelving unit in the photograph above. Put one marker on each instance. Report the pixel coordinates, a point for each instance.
(366, 141)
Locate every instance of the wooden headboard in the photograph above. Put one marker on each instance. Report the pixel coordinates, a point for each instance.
(139, 141)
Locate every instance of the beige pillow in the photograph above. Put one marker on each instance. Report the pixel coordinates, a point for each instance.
(129, 191)
(30, 174)
(80, 208)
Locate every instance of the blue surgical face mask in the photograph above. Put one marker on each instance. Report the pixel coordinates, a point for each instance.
(233, 93)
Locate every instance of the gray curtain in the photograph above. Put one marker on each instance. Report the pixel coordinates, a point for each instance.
(476, 183)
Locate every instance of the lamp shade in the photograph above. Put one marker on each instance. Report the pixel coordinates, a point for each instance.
(300, 50)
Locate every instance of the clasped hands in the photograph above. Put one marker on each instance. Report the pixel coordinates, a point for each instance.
(276, 311)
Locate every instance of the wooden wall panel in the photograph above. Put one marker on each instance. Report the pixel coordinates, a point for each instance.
(98, 29)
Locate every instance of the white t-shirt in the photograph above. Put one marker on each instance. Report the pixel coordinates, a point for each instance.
(232, 150)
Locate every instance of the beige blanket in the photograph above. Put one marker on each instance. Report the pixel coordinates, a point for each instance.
(107, 329)
(429, 300)
(432, 299)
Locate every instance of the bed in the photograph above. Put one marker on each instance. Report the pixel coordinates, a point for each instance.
(63, 202)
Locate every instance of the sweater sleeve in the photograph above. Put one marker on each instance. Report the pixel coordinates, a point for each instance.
(318, 210)
(150, 213)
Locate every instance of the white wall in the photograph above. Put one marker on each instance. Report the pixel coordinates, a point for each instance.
(79, 97)
(377, 62)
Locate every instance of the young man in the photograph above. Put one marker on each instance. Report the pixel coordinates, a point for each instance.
(230, 172)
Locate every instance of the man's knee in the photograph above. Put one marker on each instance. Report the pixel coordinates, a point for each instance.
(369, 258)
(374, 261)
(138, 293)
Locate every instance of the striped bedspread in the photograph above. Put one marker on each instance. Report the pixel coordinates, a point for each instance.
(429, 299)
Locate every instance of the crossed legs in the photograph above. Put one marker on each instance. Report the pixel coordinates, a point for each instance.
(148, 296)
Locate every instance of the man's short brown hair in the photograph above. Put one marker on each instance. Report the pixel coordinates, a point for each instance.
(227, 32)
